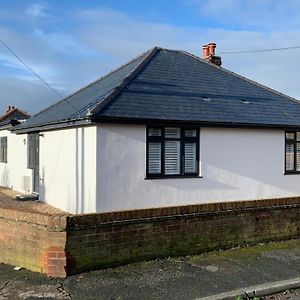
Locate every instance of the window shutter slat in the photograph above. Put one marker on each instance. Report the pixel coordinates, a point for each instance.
(154, 132)
(290, 136)
(172, 132)
(190, 161)
(172, 157)
(298, 156)
(154, 158)
(190, 133)
(289, 157)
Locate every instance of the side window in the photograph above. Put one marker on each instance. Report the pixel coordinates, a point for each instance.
(3, 149)
(172, 152)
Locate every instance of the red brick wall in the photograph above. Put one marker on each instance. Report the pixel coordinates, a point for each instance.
(34, 241)
(107, 239)
(61, 245)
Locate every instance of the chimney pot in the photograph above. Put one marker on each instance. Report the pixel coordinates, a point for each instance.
(205, 51)
(209, 54)
(211, 48)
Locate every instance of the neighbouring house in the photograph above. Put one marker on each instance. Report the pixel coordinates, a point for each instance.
(13, 153)
(167, 128)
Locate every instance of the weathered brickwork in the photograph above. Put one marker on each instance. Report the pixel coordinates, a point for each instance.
(62, 245)
(102, 240)
(34, 241)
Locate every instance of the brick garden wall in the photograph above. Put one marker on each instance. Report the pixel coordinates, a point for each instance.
(64, 245)
(101, 240)
(35, 241)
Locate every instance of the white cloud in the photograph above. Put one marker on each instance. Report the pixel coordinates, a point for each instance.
(38, 10)
(62, 42)
(257, 14)
(118, 34)
(69, 57)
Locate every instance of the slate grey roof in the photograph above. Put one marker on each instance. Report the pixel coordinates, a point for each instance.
(78, 106)
(173, 85)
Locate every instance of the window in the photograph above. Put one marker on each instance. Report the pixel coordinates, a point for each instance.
(3, 149)
(172, 152)
(292, 152)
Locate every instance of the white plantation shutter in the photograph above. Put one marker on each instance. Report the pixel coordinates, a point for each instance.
(172, 151)
(172, 157)
(298, 156)
(290, 136)
(172, 132)
(190, 133)
(289, 157)
(154, 158)
(190, 161)
(154, 132)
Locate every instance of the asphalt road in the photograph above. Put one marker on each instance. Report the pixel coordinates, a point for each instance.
(177, 278)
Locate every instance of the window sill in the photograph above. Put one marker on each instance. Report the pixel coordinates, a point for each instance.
(292, 173)
(173, 177)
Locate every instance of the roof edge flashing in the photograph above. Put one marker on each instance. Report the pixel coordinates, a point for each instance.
(58, 124)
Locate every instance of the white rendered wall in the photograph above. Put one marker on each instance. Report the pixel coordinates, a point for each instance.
(14, 174)
(68, 169)
(236, 164)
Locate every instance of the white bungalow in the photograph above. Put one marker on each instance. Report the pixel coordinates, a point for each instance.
(168, 128)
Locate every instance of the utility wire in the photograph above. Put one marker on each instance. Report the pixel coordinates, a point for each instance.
(258, 51)
(37, 75)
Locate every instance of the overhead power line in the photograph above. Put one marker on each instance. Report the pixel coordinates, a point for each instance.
(37, 75)
(258, 51)
(32, 71)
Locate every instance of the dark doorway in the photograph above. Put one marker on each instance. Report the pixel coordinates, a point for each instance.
(33, 161)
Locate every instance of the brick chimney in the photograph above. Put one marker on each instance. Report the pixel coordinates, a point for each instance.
(209, 54)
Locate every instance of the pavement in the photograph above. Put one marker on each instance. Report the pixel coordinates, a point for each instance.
(258, 270)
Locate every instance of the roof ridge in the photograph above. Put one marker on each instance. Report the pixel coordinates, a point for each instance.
(241, 77)
(118, 89)
(94, 82)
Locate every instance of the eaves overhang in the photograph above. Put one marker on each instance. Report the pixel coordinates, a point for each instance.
(54, 125)
(144, 121)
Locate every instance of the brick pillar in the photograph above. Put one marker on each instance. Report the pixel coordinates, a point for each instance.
(55, 259)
